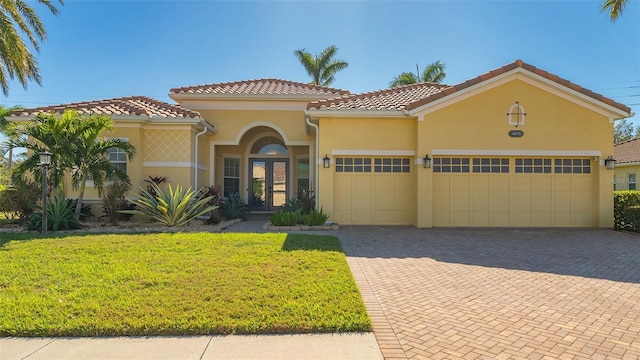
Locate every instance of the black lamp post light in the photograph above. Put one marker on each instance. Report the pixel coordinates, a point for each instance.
(45, 161)
(326, 161)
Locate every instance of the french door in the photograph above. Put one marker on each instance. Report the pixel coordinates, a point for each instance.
(269, 183)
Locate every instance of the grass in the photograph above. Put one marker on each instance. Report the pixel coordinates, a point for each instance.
(176, 284)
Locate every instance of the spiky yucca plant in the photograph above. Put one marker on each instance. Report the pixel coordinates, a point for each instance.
(174, 208)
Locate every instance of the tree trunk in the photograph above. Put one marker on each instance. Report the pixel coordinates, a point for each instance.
(83, 184)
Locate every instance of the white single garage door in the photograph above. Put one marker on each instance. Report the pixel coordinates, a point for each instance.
(513, 191)
(372, 190)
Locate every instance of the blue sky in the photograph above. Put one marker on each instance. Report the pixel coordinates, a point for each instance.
(105, 49)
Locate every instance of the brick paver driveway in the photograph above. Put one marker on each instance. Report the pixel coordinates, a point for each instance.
(499, 293)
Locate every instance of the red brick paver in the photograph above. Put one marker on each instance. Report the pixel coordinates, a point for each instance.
(499, 293)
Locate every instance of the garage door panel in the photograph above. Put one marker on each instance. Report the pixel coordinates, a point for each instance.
(542, 218)
(460, 218)
(461, 201)
(480, 218)
(373, 190)
(530, 192)
(362, 200)
(542, 201)
(481, 201)
(460, 183)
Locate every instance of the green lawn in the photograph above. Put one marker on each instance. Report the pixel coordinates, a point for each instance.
(176, 284)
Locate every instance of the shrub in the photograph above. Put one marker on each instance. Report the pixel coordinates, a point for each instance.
(20, 199)
(215, 217)
(302, 204)
(232, 207)
(175, 208)
(315, 217)
(625, 211)
(113, 201)
(60, 216)
(155, 180)
(85, 210)
(285, 218)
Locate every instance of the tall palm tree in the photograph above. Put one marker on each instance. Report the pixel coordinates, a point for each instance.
(74, 140)
(433, 73)
(16, 61)
(614, 8)
(5, 128)
(323, 67)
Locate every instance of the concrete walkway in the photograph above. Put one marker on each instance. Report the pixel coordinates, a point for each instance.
(282, 347)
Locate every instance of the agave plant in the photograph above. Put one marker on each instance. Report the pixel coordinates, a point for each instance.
(174, 208)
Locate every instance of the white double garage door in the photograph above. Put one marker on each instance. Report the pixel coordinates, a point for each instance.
(468, 191)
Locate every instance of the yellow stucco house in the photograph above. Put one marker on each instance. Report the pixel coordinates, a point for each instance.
(627, 155)
(516, 146)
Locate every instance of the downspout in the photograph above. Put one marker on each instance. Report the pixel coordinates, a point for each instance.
(195, 168)
(315, 172)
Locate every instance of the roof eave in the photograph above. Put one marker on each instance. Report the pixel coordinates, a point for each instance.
(316, 113)
(300, 97)
(618, 113)
(628, 164)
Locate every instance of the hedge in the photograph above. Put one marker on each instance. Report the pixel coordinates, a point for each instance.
(626, 210)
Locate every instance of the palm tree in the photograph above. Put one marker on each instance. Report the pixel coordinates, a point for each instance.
(5, 128)
(16, 61)
(614, 7)
(74, 140)
(323, 67)
(434, 73)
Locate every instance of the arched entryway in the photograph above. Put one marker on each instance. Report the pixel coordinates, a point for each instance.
(268, 173)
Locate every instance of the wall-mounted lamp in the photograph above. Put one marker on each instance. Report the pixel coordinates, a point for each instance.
(426, 161)
(610, 162)
(326, 161)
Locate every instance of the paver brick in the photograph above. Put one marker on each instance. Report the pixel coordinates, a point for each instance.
(499, 293)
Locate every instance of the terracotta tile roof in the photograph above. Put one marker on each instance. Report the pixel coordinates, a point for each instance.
(413, 96)
(627, 151)
(260, 87)
(133, 105)
(395, 98)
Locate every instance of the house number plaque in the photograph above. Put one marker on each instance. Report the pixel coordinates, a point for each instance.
(516, 133)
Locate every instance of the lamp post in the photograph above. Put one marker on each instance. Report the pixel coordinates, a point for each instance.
(45, 160)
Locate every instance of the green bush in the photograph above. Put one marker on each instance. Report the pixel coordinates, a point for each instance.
(302, 204)
(316, 217)
(113, 201)
(285, 218)
(233, 208)
(20, 199)
(626, 214)
(60, 216)
(175, 208)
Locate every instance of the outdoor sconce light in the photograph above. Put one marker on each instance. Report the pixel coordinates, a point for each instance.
(610, 162)
(326, 161)
(426, 161)
(45, 161)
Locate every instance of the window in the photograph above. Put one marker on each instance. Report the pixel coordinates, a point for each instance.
(118, 158)
(353, 164)
(533, 166)
(572, 166)
(231, 176)
(393, 165)
(302, 169)
(451, 164)
(490, 165)
(632, 181)
(269, 145)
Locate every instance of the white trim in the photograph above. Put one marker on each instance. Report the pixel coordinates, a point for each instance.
(521, 115)
(629, 164)
(530, 78)
(516, 152)
(173, 164)
(373, 152)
